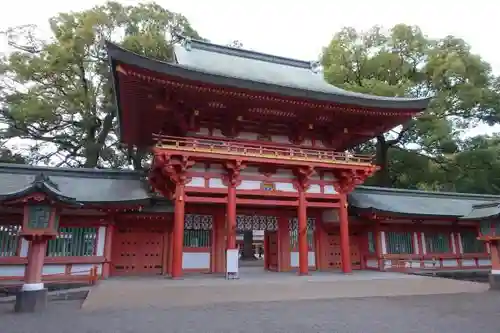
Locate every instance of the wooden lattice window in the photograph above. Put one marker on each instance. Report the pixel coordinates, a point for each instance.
(470, 243)
(371, 242)
(437, 242)
(197, 238)
(9, 240)
(294, 239)
(399, 242)
(73, 242)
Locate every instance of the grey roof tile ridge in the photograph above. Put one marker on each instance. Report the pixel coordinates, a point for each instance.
(424, 193)
(70, 172)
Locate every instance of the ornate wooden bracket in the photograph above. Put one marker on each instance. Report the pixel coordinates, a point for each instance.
(303, 176)
(234, 172)
(347, 180)
(169, 169)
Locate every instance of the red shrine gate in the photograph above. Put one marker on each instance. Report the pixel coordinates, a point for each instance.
(224, 138)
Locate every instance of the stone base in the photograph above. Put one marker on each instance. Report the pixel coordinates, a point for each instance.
(494, 280)
(31, 300)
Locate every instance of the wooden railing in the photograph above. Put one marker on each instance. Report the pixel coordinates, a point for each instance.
(221, 146)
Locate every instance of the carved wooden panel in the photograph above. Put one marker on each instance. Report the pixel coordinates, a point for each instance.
(256, 222)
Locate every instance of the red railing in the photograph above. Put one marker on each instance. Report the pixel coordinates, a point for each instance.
(221, 146)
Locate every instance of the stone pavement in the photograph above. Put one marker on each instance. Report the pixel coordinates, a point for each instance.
(451, 313)
(255, 286)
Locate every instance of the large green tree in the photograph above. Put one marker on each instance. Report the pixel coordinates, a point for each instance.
(404, 62)
(56, 90)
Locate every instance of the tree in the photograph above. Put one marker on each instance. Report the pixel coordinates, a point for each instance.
(57, 91)
(404, 62)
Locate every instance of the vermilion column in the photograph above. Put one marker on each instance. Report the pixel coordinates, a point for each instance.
(345, 250)
(231, 216)
(178, 234)
(495, 265)
(302, 234)
(33, 272)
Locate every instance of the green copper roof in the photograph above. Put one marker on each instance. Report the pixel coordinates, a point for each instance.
(88, 186)
(417, 203)
(244, 69)
(484, 211)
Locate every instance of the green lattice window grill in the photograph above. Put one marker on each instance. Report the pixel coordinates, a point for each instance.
(399, 242)
(371, 242)
(470, 243)
(9, 240)
(294, 239)
(437, 243)
(73, 242)
(196, 238)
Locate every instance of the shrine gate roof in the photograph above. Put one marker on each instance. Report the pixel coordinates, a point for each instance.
(421, 203)
(86, 186)
(222, 65)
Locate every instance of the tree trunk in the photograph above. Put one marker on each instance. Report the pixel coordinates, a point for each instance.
(248, 250)
(382, 178)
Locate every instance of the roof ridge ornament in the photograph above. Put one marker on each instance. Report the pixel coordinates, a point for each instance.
(187, 43)
(315, 66)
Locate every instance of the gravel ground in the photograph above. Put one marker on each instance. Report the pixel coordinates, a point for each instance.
(452, 313)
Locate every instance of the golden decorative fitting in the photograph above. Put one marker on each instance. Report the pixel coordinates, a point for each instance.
(196, 112)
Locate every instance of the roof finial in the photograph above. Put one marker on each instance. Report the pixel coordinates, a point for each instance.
(315, 66)
(187, 43)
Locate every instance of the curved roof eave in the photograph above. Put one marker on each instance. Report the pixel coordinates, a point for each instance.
(116, 53)
(44, 188)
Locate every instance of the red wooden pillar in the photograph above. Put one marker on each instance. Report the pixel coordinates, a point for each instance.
(178, 234)
(495, 265)
(302, 233)
(33, 271)
(283, 243)
(345, 250)
(106, 267)
(231, 216)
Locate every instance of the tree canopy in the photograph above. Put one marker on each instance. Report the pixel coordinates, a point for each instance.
(430, 151)
(57, 91)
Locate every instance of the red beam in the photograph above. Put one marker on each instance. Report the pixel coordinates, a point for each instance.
(258, 202)
(323, 204)
(209, 200)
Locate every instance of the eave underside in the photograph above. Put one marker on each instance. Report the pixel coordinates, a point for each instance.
(150, 103)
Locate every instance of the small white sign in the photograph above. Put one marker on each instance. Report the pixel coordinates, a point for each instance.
(232, 263)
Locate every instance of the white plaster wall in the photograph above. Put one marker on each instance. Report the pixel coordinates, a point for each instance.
(372, 263)
(279, 139)
(198, 167)
(250, 171)
(484, 262)
(196, 260)
(216, 183)
(329, 189)
(196, 182)
(11, 270)
(53, 269)
(101, 240)
(84, 269)
(294, 259)
(285, 187)
(468, 262)
(250, 185)
(25, 245)
(314, 188)
(450, 263)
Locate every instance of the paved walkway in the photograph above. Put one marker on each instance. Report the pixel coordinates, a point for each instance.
(256, 286)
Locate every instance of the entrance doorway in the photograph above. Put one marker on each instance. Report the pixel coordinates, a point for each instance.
(261, 248)
(138, 249)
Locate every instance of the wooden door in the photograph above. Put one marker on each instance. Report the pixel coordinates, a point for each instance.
(137, 250)
(332, 252)
(272, 251)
